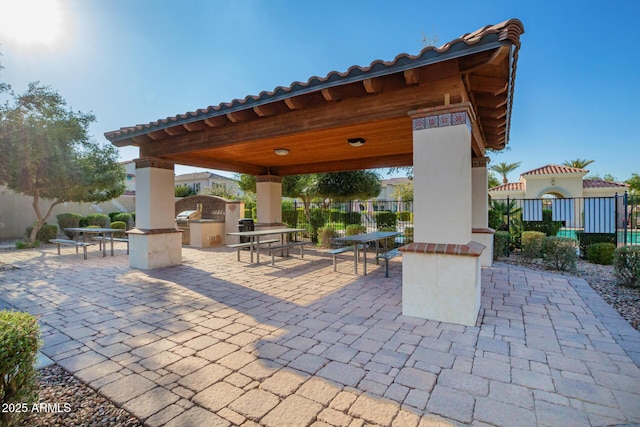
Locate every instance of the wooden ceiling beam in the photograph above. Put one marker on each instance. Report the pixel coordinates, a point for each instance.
(241, 116)
(297, 102)
(216, 121)
(372, 85)
(345, 165)
(492, 113)
(484, 100)
(496, 123)
(175, 130)
(484, 84)
(271, 109)
(141, 139)
(331, 94)
(157, 134)
(195, 126)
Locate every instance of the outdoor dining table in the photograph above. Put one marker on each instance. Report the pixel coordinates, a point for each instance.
(102, 232)
(364, 239)
(255, 235)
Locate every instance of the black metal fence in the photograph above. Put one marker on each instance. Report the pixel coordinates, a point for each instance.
(615, 219)
(342, 217)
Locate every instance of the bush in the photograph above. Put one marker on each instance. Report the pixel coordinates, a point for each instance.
(125, 217)
(325, 234)
(601, 253)
(405, 216)
(353, 229)
(98, 219)
(19, 343)
(560, 253)
(626, 265)
(408, 235)
(353, 218)
(390, 242)
(290, 217)
(27, 244)
(501, 241)
(587, 239)
(546, 226)
(120, 225)
(45, 233)
(317, 220)
(532, 242)
(68, 220)
(386, 219)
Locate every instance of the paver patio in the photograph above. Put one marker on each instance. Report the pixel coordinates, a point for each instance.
(216, 342)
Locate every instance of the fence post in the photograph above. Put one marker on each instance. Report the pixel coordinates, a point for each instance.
(615, 222)
(508, 216)
(625, 200)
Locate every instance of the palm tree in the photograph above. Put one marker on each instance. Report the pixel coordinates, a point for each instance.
(505, 168)
(578, 163)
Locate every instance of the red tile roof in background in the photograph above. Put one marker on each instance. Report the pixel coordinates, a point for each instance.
(554, 170)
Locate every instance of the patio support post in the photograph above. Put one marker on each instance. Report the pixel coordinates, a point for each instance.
(480, 231)
(441, 269)
(154, 242)
(269, 201)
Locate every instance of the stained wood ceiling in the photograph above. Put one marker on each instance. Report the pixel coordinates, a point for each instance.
(314, 120)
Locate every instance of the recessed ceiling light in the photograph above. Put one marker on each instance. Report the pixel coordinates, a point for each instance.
(281, 151)
(356, 142)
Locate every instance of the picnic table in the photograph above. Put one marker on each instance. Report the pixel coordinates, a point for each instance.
(101, 232)
(255, 242)
(362, 241)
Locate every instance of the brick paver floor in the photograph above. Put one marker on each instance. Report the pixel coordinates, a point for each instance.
(216, 342)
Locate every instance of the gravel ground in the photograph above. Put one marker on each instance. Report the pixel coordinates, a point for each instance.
(86, 407)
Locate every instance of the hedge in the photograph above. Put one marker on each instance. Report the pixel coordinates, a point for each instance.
(601, 253)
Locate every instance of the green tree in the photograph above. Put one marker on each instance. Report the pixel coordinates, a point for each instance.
(634, 183)
(362, 184)
(578, 163)
(184, 191)
(504, 168)
(493, 181)
(47, 153)
(404, 191)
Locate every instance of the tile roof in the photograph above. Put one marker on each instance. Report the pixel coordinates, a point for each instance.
(509, 186)
(483, 39)
(554, 170)
(598, 183)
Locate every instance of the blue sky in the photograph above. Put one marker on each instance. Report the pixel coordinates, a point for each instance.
(135, 61)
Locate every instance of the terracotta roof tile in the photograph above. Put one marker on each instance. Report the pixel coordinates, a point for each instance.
(553, 170)
(598, 183)
(506, 31)
(509, 186)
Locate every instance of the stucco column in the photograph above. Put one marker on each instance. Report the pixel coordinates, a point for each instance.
(269, 201)
(441, 269)
(480, 231)
(154, 242)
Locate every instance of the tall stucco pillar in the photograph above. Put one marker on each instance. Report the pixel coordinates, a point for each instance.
(480, 231)
(269, 201)
(154, 242)
(441, 269)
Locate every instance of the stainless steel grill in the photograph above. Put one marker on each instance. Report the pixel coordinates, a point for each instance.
(182, 222)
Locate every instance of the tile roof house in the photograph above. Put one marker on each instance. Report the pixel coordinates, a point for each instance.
(558, 180)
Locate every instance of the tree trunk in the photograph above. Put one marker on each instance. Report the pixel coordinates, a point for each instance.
(41, 219)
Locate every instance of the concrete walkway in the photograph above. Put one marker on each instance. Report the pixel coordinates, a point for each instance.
(215, 342)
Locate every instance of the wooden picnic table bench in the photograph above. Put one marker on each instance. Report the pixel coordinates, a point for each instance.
(75, 243)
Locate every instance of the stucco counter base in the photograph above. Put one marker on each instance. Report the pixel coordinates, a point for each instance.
(155, 248)
(442, 281)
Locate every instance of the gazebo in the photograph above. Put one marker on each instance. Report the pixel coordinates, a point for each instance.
(438, 111)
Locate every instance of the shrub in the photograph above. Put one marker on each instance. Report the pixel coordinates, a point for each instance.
(45, 233)
(405, 216)
(336, 215)
(125, 217)
(601, 253)
(25, 244)
(501, 244)
(290, 217)
(560, 253)
(532, 242)
(19, 343)
(353, 229)
(408, 235)
(68, 220)
(352, 218)
(626, 265)
(98, 219)
(390, 242)
(120, 225)
(316, 221)
(587, 239)
(546, 226)
(325, 234)
(386, 219)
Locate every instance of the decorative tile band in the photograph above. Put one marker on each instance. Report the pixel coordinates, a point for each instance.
(150, 162)
(442, 120)
(472, 248)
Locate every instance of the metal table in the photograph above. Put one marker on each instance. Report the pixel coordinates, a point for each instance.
(254, 237)
(364, 239)
(98, 231)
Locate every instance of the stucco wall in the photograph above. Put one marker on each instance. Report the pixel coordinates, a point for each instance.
(16, 211)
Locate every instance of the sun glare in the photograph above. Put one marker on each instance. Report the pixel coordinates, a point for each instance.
(30, 21)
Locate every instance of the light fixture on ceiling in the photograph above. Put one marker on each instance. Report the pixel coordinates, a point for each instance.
(281, 151)
(356, 142)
